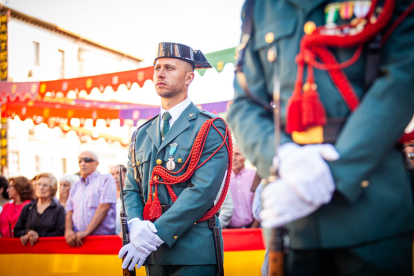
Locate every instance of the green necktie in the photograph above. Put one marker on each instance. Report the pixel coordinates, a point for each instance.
(165, 127)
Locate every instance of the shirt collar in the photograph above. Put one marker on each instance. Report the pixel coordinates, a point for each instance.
(233, 174)
(89, 178)
(176, 110)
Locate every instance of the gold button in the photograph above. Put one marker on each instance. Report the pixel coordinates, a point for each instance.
(195, 223)
(364, 183)
(309, 27)
(179, 160)
(153, 194)
(269, 37)
(159, 161)
(175, 237)
(156, 177)
(272, 54)
(138, 163)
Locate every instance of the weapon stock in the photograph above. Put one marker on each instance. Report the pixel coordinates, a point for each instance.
(124, 225)
(276, 246)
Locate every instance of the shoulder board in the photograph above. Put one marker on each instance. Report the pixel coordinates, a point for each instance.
(207, 113)
(134, 134)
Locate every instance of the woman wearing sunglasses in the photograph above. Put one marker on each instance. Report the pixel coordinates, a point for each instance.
(21, 191)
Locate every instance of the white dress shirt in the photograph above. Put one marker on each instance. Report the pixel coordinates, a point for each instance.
(175, 111)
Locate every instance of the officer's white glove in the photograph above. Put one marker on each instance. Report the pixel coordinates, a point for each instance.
(282, 205)
(142, 234)
(305, 184)
(133, 255)
(306, 171)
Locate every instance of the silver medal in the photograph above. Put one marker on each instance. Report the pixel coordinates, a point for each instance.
(170, 163)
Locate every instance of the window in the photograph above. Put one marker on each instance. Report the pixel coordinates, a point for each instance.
(63, 165)
(14, 163)
(61, 64)
(37, 164)
(36, 53)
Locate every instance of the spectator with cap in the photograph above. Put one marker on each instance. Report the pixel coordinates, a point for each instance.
(43, 217)
(21, 191)
(115, 174)
(4, 197)
(65, 182)
(90, 208)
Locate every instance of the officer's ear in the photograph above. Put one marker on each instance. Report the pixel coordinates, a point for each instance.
(189, 77)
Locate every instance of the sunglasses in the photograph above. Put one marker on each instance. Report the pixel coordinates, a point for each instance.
(86, 160)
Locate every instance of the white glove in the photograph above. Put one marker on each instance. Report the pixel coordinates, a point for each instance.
(306, 171)
(142, 235)
(281, 205)
(305, 184)
(133, 255)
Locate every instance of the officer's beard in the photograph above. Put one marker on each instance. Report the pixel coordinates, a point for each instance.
(171, 92)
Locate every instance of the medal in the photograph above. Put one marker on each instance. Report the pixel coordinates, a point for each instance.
(361, 8)
(346, 10)
(331, 15)
(170, 162)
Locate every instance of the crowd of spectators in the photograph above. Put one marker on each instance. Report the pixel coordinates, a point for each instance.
(88, 203)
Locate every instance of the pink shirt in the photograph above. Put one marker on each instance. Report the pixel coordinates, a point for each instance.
(240, 185)
(9, 217)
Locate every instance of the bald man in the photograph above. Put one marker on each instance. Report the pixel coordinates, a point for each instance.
(175, 243)
(90, 209)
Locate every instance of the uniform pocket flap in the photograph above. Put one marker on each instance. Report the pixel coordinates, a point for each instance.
(143, 157)
(180, 156)
(273, 32)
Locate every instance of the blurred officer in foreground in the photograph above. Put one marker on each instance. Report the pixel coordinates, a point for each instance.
(344, 73)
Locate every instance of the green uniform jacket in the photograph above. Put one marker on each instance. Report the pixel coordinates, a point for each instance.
(186, 243)
(367, 143)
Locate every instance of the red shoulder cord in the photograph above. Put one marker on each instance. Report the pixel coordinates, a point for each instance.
(304, 108)
(152, 209)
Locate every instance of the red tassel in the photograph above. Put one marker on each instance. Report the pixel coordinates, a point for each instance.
(146, 212)
(155, 211)
(294, 110)
(313, 111)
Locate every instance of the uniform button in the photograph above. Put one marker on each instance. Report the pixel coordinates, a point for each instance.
(269, 37)
(156, 178)
(138, 163)
(364, 183)
(175, 237)
(195, 223)
(179, 160)
(309, 27)
(272, 54)
(159, 162)
(153, 194)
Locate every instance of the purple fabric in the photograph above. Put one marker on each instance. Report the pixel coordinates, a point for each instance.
(84, 198)
(240, 185)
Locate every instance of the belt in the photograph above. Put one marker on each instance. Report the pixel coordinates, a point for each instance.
(331, 129)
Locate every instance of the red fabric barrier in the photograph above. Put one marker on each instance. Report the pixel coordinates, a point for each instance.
(234, 240)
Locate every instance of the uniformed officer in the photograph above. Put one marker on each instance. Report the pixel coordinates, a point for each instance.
(345, 75)
(174, 242)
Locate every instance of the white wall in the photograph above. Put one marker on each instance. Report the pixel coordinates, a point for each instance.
(95, 60)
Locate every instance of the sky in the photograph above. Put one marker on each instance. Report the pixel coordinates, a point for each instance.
(136, 26)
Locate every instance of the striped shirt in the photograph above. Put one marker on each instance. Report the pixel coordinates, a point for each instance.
(85, 196)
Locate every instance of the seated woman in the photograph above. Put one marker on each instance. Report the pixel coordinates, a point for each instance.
(43, 217)
(21, 191)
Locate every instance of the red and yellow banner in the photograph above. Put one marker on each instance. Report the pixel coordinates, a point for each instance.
(243, 255)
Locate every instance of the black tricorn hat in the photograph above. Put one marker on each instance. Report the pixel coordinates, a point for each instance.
(183, 52)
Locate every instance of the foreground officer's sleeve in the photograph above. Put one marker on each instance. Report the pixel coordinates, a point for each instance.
(132, 194)
(372, 131)
(251, 124)
(195, 201)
